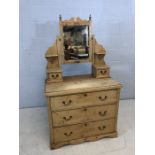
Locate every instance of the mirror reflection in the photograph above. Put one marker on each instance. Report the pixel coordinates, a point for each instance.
(76, 42)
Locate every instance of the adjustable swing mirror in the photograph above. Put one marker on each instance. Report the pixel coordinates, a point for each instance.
(76, 44)
(75, 34)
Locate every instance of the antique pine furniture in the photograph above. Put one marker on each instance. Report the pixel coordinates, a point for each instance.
(80, 108)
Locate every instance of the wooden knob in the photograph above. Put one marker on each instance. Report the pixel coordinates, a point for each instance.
(85, 94)
(85, 124)
(85, 109)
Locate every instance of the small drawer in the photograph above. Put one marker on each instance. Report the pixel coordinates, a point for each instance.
(83, 115)
(103, 72)
(54, 76)
(83, 100)
(83, 130)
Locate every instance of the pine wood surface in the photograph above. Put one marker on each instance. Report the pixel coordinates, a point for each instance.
(83, 100)
(85, 85)
(83, 130)
(76, 116)
(80, 108)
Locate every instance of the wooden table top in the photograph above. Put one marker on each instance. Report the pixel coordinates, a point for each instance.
(79, 84)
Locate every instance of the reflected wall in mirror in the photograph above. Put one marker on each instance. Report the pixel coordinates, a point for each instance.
(76, 42)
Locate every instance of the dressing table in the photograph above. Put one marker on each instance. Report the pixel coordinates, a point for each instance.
(80, 108)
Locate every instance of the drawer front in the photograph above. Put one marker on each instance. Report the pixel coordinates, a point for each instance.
(83, 130)
(83, 100)
(103, 72)
(83, 115)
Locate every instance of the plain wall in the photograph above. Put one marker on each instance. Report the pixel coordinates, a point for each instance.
(113, 26)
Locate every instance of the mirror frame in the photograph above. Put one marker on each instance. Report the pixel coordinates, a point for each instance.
(75, 22)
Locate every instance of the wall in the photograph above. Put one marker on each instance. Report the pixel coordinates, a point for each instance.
(113, 26)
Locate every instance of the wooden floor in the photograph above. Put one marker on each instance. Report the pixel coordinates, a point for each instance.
(34, 135)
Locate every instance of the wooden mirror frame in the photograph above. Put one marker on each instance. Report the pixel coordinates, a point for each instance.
(75, 22)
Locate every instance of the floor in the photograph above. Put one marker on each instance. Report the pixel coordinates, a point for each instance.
(34, 135)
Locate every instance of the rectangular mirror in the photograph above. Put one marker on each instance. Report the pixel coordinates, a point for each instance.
(76, 42)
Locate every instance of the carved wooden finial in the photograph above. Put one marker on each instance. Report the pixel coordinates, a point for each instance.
(90, 17)
(60, 17)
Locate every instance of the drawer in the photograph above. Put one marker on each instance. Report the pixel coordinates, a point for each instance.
(83, 115)
(104, 72)
(83, 130)
(83, 100)
(54, 77)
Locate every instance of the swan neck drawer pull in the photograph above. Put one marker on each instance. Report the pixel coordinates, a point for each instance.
(102, 127)
(67, 119)
(67, 103)
(55, 76)
(102, 113)
(103, 72)
(103, 98)
(68, 134)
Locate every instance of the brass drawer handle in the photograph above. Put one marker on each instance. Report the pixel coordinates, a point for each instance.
(67, 103)
(55, 76)
(68, 134)
(103, 98)
(102, 113)
(102, 127)
(67, 119)
(103, 72)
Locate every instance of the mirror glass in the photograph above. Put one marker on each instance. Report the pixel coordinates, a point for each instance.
(76, 42)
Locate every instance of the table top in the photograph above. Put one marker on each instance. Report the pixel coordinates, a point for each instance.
(80, 84)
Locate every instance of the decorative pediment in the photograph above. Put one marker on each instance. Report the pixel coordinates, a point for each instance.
(75, 21)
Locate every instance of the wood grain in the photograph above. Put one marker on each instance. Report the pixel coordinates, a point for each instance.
(76, 116)
(81, 108)
(83, 100)
(83, 130)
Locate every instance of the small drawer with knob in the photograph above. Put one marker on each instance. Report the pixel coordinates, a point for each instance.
(54, 77)
(84, 114)
(102, 72)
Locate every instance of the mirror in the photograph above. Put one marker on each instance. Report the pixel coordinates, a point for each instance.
(76, 42)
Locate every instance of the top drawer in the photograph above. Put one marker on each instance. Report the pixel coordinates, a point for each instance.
(83, 100)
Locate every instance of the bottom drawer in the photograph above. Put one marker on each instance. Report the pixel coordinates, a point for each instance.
(83, 130)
